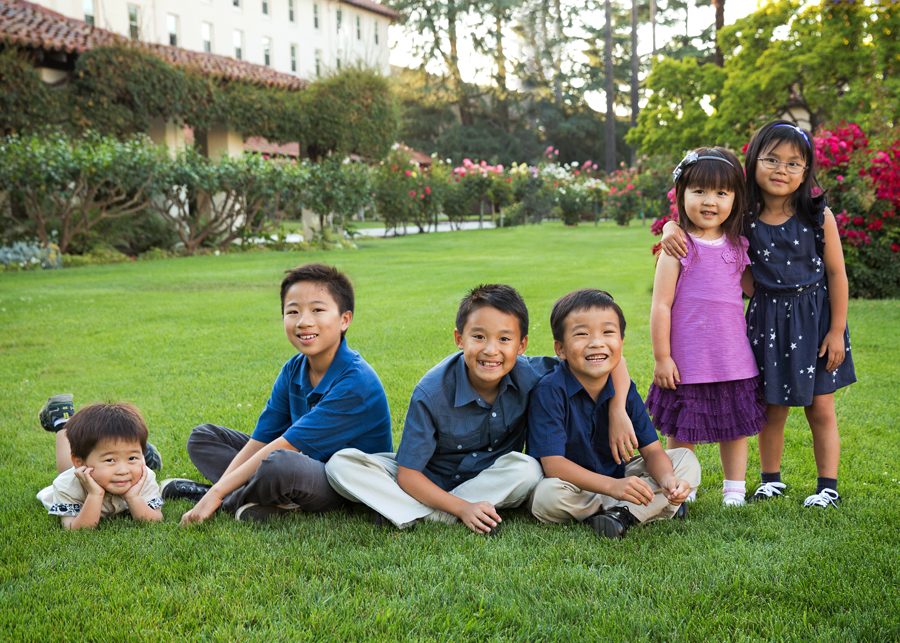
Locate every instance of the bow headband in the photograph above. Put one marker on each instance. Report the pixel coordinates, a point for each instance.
(690, 159)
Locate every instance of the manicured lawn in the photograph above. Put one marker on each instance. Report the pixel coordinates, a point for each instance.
(200, 340)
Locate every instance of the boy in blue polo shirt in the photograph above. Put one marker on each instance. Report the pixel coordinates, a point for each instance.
(325, 399)
(568, 424)
(461, 452)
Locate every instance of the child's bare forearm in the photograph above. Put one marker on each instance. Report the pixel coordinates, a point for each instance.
(659, 465)
(88, 517)
(621, 383)
(140, 510)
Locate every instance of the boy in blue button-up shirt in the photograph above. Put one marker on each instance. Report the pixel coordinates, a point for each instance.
(568, 427)
(326, 398)
(461, 453)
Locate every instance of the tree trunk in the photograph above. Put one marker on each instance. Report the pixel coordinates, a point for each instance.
(653, 24)
(500, 59)
(610, 94)
(465, 114)
(557, 54)
(635, 69)
(720, 22)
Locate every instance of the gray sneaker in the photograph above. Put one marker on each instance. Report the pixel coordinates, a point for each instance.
(253, 512)
(57, 411)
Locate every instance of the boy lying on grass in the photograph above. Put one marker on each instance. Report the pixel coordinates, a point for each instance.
(460, 457)
(568, 424)
(326, 398)
(106, 445)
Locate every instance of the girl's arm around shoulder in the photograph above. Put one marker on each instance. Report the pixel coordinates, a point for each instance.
(665, 371)
(674, 242)
(838, 293)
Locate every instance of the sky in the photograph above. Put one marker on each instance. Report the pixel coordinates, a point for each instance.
(476, 69)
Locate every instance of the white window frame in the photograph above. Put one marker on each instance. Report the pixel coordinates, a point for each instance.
(90, 11)
(293, 58)
(267, 51)
(134, 22)
(206, 36)
(172, 28)
(237, 41)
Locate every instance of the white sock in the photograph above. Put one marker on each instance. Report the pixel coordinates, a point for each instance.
(692, 496)
(733, 492)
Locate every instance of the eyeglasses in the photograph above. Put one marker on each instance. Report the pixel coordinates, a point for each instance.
(791, 166)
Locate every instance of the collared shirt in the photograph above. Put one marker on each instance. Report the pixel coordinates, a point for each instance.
(451, 434)
(66, 496)
(347, 408)
(564, 420)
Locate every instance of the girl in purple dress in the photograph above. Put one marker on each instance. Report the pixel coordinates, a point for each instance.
(797, 317)
(706, 387)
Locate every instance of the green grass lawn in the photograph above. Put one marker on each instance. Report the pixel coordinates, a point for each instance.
(200, 340)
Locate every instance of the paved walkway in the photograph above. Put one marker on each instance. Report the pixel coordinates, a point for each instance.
(410, 230)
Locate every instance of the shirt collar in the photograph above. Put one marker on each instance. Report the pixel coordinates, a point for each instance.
(342, 359)
(573, 386)
(465, 392)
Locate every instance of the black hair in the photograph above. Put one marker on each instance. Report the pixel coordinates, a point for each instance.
(120, 422)
(709, 174)
(768, 137)
(580, 300)
(333, 280)
(504, 298)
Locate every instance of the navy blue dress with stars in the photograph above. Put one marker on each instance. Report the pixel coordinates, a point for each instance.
(790, 312)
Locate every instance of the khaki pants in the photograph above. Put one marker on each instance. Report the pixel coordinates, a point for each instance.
(371, 478)
(555, 500)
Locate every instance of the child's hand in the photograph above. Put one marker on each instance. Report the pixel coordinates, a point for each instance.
(622, 440)
(202, 510)
(84, 477)
(676, 490)
(673, 241)
(134, 491)
(632, 489)
(834, 346)
(665, 373)
(480, 517)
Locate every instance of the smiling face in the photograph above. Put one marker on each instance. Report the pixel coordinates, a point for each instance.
(490, 342)
(779, 182)
(313, 321)
(707, 209)
(591, 346)
(117, 464)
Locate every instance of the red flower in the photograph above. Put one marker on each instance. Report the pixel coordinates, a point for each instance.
(408, 173)
(895, 247)
(412, 193)
(427, 190)
(858, 220)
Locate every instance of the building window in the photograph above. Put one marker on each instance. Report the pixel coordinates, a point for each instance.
(291, 10)
(206, 36)
(337, 61)
(238, 45)
(376, 33)
(339, 16)
(315, 16)
(358, 28)
(134, 23)
(265, 7)
(172, 26)
(318, 63)
(294, 58)
(267, 51)
(89, 12)
(236, 3)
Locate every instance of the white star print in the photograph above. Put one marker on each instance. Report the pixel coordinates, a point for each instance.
(770, 346)
(789, 263)
(772, 336)
(752, 225)
(811, 369)
(766, 252)
(755, 342)
(801, 337)
(804, 229)
(793, 346)
(796, 243)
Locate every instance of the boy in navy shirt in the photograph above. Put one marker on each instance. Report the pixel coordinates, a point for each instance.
(461, 453)
(325, 399)
(568, 425)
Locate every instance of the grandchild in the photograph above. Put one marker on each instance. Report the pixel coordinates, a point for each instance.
(797, 317)
(109, 477)
(568, 422)
(325, 399)
(706, 386)
(461, 452)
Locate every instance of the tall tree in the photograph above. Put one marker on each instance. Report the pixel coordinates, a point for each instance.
(720, 22)
(635, 70)
(610, 92)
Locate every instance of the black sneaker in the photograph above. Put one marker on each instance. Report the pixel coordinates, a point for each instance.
(613, 523)
(57, 411)
(152, 458)
(681, 512)
(253, 512)
(183, 489)
(825, 498)
(768, 490)
(495, 532)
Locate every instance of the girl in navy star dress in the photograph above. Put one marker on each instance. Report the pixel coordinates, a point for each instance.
(797, 317)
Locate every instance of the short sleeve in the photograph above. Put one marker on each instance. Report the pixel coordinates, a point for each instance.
(637, 411)
(277, 414)
(419, 440)
(65, 497)
(546, 422)
(688, 261)
(150, 491)
(745, 256)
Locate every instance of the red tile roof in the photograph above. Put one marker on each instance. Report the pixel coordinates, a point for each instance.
(262, 146)
(374, 7)
(30, 25)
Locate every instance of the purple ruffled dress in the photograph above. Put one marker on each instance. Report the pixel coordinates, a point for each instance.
(719, 398)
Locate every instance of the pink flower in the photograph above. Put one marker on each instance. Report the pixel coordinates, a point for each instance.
(408, 172)
(412, 193)
(556, 152)
(840, 177)
(427, 190)
(630, 186)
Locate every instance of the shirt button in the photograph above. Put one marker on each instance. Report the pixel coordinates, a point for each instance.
(496, 441)
(459, 446)
(493, 415)
(457, 477)
(490, 448)
(474, 455)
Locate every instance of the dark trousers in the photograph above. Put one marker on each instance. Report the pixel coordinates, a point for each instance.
(283, 476)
